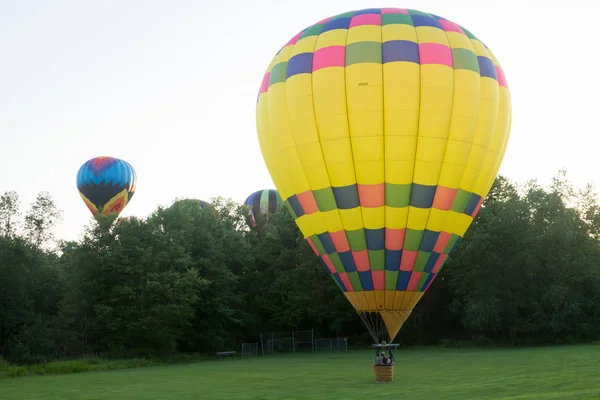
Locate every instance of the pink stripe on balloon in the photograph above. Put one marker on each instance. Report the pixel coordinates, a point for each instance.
(450, 26)
(294, 40)
(435, 53)
(438, 264)
(441, 242)
(394, 11)
(332, 56)
(365, 19)
(394, 238)
(501, 76)
(361, 260)
(415, 277)
(323, 21)
(407, 263)
(378, 280)
(264, 86)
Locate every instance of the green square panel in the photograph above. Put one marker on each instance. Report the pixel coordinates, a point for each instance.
(363, 52)
(337, 262)
(278, 73)
(412, 240)
(465, 59)
(460, 201)
(390, 19)
(421, 262)
(357, 240)
(391, 280)
(325, 199)
(377, 260)
(397, 195)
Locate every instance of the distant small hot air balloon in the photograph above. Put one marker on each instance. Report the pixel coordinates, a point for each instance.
(262, 202)
(106, 184)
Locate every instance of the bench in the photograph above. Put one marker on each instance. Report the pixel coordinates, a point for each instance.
(225, 353)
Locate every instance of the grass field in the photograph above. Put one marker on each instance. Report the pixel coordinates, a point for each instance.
(566, 372)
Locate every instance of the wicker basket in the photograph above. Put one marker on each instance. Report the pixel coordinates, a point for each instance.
(384, 373)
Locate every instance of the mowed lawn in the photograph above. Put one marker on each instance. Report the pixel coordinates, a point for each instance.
(566, 372)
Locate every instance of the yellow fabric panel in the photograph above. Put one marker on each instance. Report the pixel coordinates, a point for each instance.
(284, 55)
(430, 34)
(364, 33)
(481, 141)
(304, 45)
(336, 37)
(293, 167)
(311, 224)
(389, 299)
(377, 300)
(332, 220)
(437, 90)
(399, 299)
(380, 299)
(368, 159)
(401, 104)
(459, 41)
(396, 218)
(373, 217)
(451, 174)
(364, 301)
(329, 98)
(465, 107)
(365, 116)
(271, 158)
(479, 48)
(393, 321)
(364, 85)
(498, 144)
(417, 218)
(437, 219)
(352, 219)
(398, 32)
(371, 300)
(304, 130)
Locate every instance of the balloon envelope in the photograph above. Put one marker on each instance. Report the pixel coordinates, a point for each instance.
(262, 202)
(106, 184)
(383, 130)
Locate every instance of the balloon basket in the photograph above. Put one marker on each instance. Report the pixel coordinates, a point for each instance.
(384, 373)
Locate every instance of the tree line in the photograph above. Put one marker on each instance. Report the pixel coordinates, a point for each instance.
(191, 279)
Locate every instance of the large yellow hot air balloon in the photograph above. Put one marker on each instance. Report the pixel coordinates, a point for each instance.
(383, 131)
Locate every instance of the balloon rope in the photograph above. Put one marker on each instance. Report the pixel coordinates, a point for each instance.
(370, 328)
(374, 324)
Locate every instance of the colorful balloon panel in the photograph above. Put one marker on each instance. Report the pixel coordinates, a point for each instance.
(383, 130)
(262, 202)
(106, 184)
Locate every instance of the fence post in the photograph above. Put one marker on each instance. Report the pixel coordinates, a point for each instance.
(262, 348)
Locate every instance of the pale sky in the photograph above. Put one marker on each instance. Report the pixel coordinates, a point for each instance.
(170, 86)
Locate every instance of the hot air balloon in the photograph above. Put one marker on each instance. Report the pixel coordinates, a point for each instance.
(262, 202)
(106, 184)
(383, 130)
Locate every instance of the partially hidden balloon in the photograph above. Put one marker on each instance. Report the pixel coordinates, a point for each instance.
(262, 203)
(383, 130)
(106, 184)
